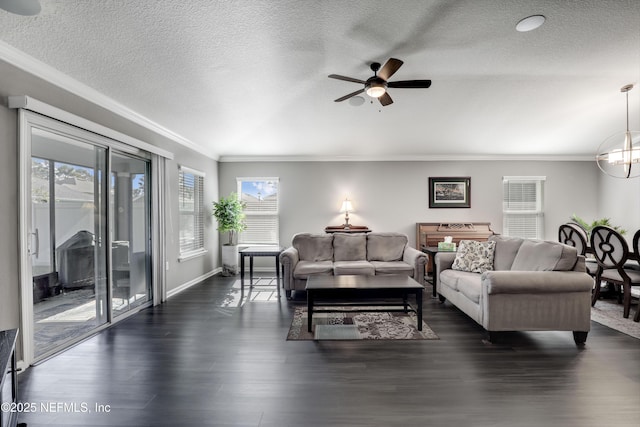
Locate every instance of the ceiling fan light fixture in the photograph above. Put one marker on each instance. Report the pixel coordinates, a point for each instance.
(376, 85)
(376, 89)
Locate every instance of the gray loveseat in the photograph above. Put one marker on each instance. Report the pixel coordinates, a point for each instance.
(344, 253)
(531, 285)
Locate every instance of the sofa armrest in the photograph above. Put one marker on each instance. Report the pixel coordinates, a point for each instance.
(288, 259)
(532, 282)
(418, 260)
(580, 264)
(444, 261)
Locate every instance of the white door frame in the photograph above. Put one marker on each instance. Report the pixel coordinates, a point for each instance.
(61, 121)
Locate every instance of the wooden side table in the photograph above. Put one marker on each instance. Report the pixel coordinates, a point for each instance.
(432, 251)
(252, 251)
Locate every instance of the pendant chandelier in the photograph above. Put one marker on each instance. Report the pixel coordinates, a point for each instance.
(619, 155)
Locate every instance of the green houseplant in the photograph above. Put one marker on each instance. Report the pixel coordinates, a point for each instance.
(228, 212)
(589, 226)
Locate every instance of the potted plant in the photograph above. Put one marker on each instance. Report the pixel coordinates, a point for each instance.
(229, 214)
(589, 226)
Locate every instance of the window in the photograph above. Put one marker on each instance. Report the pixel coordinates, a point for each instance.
(191, 207)
(522, 208)
(260, 196)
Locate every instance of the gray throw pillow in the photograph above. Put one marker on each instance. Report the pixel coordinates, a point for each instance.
(474, 257)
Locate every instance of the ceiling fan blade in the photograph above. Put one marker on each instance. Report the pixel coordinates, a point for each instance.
(389, 68)
(352, 94)
(410, 84)
(347, 79)
(385, 99)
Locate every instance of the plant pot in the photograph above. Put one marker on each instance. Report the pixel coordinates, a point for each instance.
(229, 260)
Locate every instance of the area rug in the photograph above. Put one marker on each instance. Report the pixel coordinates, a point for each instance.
(609, 313)
(374, 325)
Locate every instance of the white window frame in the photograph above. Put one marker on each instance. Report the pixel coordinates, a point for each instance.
(528, 214)
(195, 246)
(252, 217)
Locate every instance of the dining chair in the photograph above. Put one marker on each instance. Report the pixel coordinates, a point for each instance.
(611, 252)
(635, 262)
(636, 250)
(573, 235)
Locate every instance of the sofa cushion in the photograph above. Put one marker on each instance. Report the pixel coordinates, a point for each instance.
(361, 268)
(305, 268)
(392, 267)
(537, 255)
(314, 247)
(474, 257)
(454, 279)
(470, 286)
(349, 247)
(386, 246)
(506, 251)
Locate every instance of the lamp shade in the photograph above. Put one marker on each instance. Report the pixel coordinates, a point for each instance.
(346, 206)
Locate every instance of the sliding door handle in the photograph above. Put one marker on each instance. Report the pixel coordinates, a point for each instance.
(36, 236)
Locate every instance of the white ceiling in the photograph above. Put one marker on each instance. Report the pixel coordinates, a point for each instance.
(248, 78)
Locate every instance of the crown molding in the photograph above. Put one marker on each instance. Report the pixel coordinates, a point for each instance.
(414, 158)
(35, 67)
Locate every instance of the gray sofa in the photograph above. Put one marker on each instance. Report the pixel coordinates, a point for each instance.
(530, 285)
(345, 253)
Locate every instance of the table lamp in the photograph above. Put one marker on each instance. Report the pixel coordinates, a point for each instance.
(346, 208)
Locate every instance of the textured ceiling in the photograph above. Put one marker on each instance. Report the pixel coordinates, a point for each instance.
(243, 79)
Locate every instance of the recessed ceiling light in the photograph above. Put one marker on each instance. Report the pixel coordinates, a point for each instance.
(21, 7)
(530, 23)
(356, 101)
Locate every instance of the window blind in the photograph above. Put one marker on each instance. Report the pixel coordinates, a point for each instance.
(522, 207)
(191, 208)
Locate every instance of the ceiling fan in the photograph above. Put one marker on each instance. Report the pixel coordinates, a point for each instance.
(376, 85)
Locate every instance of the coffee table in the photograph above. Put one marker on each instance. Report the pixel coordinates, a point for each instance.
(354, 289)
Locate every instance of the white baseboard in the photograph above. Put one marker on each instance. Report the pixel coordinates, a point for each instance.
(190, 283)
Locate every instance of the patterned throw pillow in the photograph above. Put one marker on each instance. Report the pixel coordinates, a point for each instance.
(475, 257)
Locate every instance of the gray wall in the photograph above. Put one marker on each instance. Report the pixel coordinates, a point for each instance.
(619, 200)
(16, 82)
(386, 195)
(393, 196)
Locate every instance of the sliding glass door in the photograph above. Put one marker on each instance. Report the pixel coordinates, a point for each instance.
(130, 233)
(68, 228)
(89, 239)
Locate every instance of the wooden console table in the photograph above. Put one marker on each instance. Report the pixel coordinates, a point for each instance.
(343, 229)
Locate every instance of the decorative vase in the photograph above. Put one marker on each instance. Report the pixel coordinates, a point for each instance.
(229, 260)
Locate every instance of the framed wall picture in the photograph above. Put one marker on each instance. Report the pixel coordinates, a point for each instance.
(450, 192)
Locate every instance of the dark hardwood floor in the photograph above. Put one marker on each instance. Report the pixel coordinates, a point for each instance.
(191, 362)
